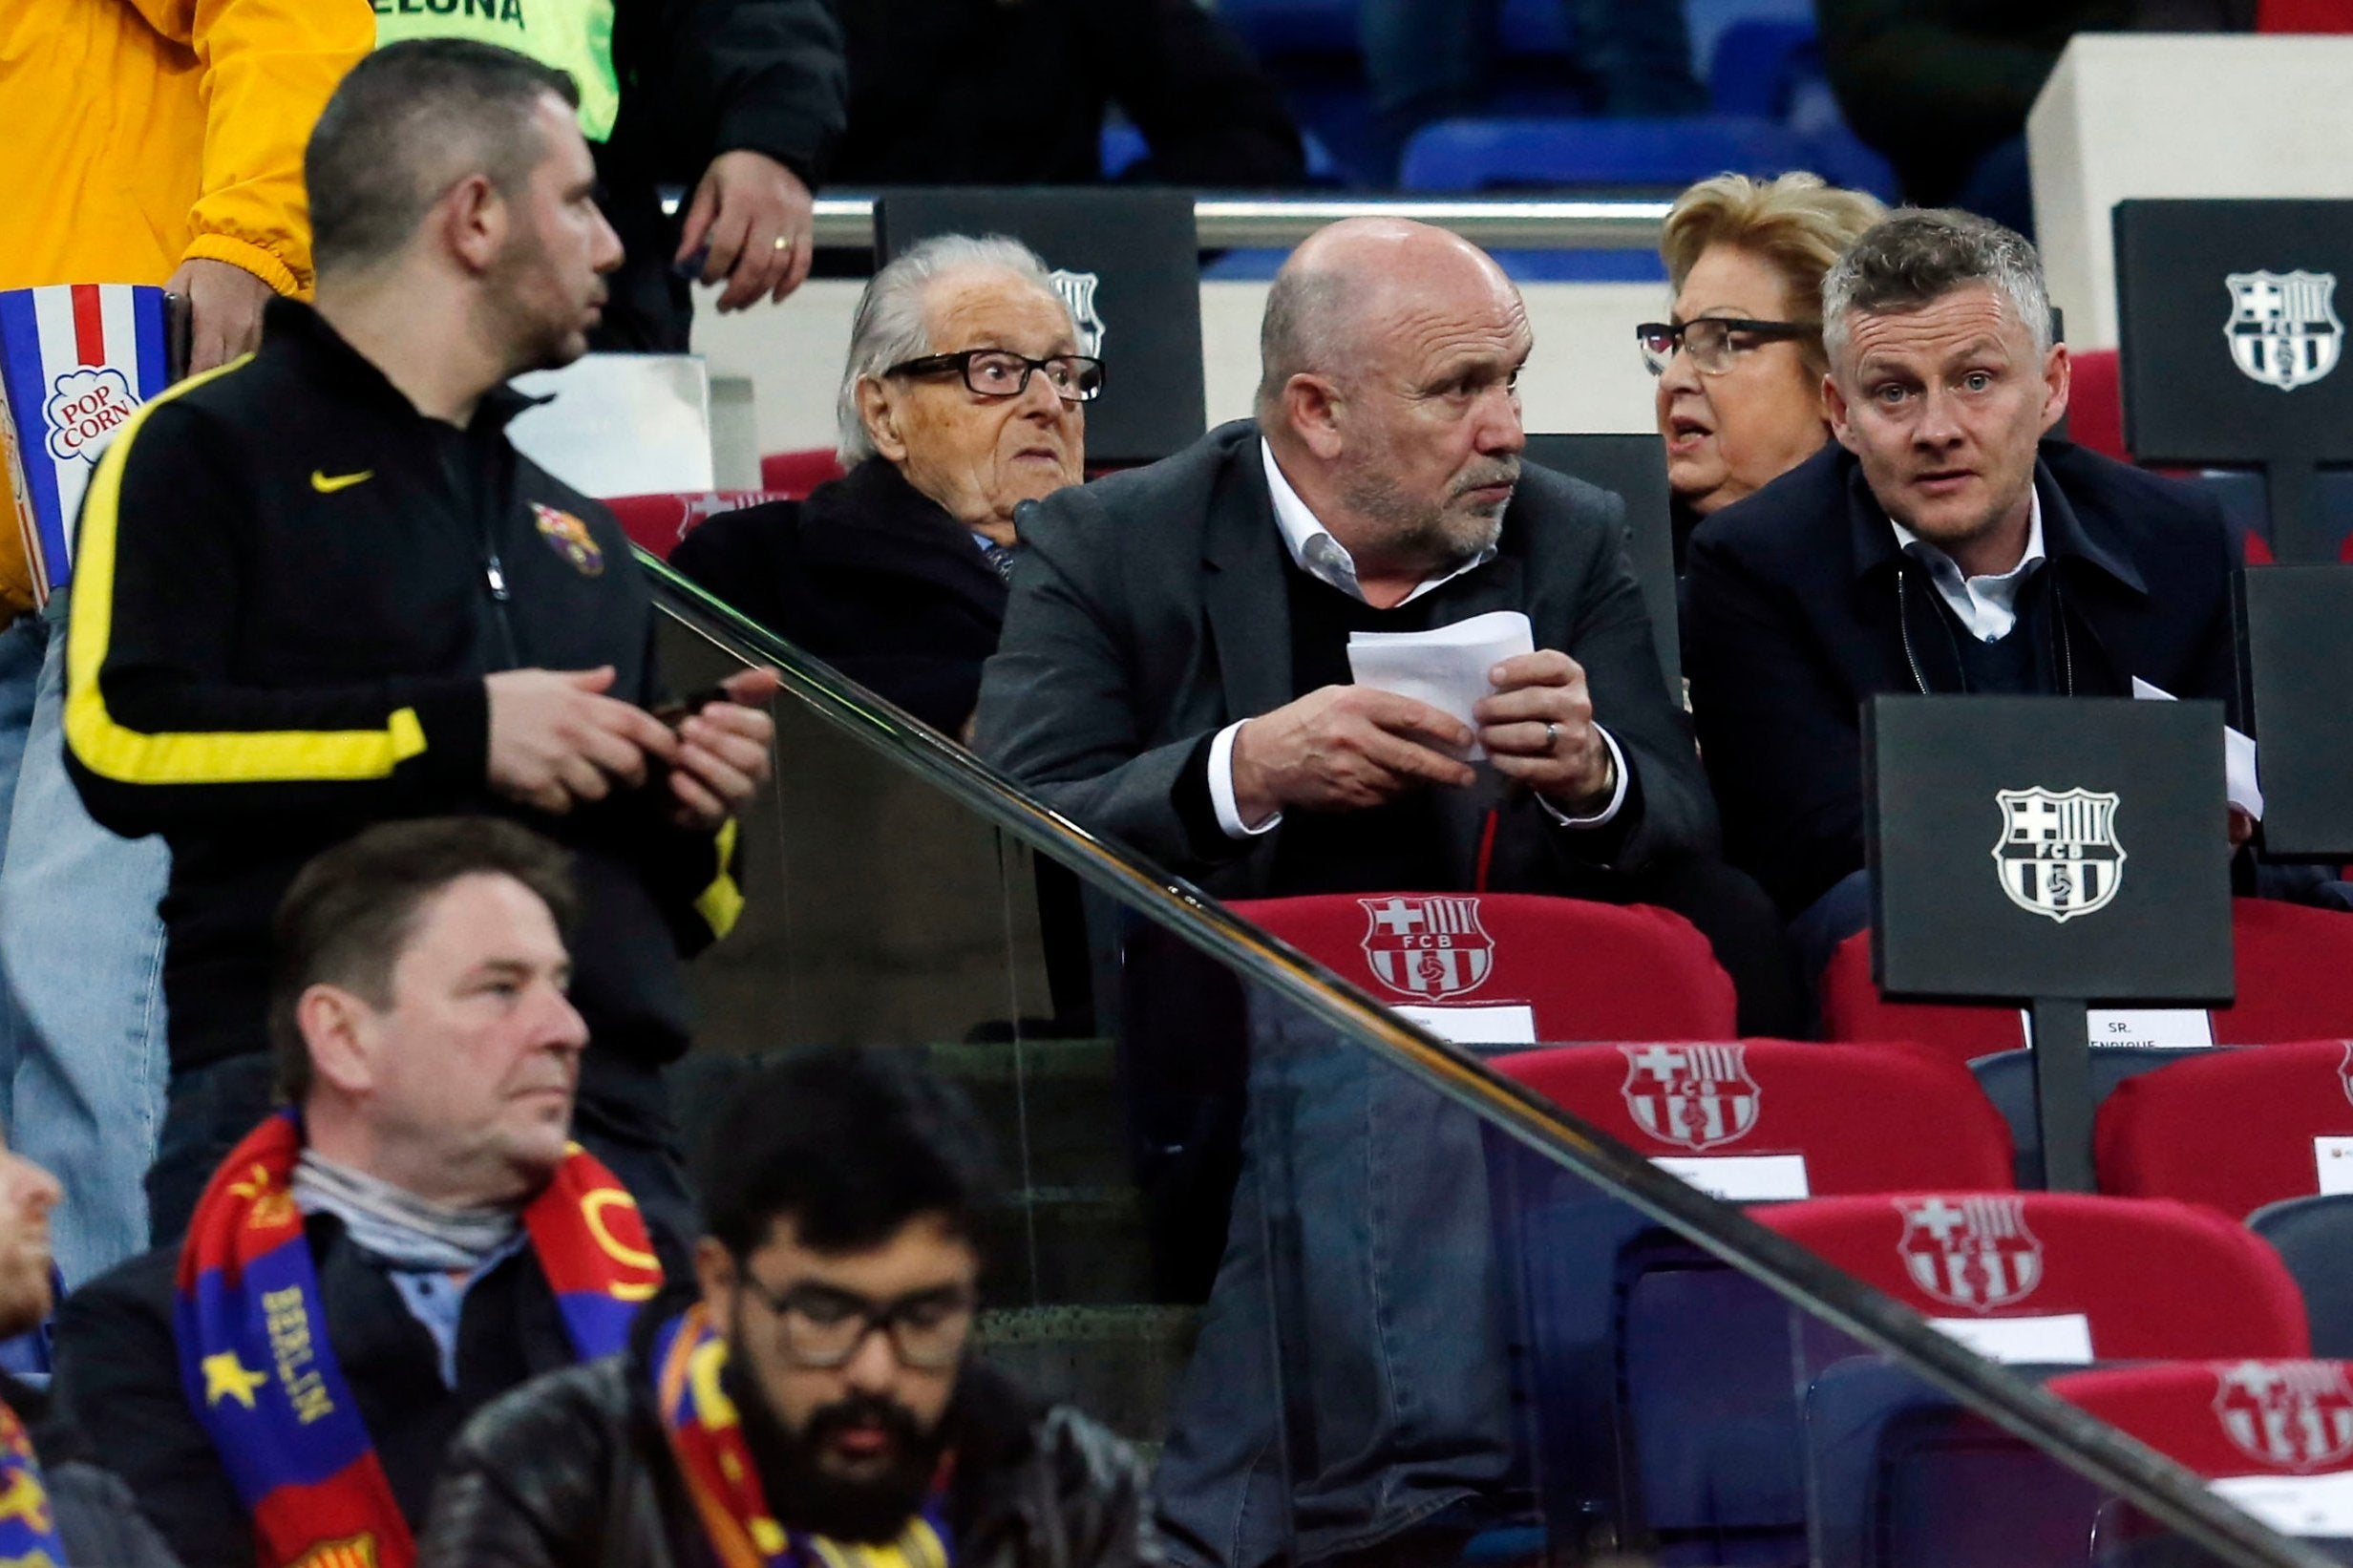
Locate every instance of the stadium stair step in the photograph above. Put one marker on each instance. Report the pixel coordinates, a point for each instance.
(1119, 1363)
(1053, 1096)
(1079, 1246)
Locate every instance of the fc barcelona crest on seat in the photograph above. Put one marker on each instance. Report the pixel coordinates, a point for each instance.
(2287, 1414)
(1428, 947)
(2283, 328)
(1972, 1252)
(2057, 854)
(1700, 1096)
(1079, 290)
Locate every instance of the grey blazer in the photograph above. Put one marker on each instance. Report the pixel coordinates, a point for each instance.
(1148, 610)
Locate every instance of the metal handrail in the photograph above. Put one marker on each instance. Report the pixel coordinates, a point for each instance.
(847, 221)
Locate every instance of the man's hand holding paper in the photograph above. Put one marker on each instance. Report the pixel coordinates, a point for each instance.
(1344, 747)
(1538, 731)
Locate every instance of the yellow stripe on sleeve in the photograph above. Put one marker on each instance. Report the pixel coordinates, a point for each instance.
(130, 757)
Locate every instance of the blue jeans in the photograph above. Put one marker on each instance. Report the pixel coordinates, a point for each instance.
(82, 1050)
(1352, 1377)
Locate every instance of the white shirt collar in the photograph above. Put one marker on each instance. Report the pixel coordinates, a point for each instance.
(1987, 605)
(1316, 552)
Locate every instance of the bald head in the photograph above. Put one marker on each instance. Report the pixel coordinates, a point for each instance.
(1344, 289)
(1390, 394)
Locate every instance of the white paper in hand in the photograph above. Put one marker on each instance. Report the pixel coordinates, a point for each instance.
(1445, 667)
(2239, 785)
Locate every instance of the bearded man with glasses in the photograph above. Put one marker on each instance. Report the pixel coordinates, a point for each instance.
(964, 396)
(814, 1400)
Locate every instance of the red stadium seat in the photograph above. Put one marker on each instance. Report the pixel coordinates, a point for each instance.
(1926, 1124)
(1591, 971)
(658, 522)
(2155, 1279)
(2095, 404)
(793, 475)
(2304, 16)
(1912, 1481)
(2235, 1128)
(2294, 968)
(1706, 1355)
(2227, 1417)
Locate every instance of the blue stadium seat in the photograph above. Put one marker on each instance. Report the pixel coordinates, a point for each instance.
(2314, 1236)
(1902, 1477)
(1273, 29)
(1538, 27)
(1471, 154)
(1840, 157)
(2007, 1079)
(2240, 491)
(1758, 64)
(1122, 145)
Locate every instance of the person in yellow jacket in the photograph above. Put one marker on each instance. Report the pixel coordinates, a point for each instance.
(160, 141)
(146, 141)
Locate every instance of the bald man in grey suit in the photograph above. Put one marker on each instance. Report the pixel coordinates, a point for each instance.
(1173, 674)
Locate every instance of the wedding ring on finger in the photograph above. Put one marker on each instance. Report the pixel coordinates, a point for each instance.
(782, 241)
(1552, 737)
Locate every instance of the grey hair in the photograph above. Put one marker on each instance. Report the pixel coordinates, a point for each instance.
(1304, 330)
(890, 326)
(1916, 256)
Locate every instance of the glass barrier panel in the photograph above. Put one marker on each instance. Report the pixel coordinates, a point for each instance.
(1365, 1299)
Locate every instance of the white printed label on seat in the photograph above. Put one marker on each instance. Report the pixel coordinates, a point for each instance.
(2170, 1028)
(1511, 1024)
(2061, 1339)
(1740, 1179)
(2293, 1505)
(2335, 1158)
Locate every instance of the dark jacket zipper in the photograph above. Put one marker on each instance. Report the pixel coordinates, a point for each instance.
(498, 502)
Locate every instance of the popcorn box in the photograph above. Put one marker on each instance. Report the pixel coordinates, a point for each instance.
(77, 360)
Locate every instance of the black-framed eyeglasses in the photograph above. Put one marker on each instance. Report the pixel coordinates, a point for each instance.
(824, 1327)
(1001, 372)
(1713, 339)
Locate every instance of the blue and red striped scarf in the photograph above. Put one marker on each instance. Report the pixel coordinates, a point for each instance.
(708, 1438)
(263, 1381)
(28, 1527)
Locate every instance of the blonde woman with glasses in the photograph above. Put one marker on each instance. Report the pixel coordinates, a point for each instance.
(1740, 362)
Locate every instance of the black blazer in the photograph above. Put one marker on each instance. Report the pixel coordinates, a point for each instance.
(1790, 621)
(1148, 610)
(871, 576)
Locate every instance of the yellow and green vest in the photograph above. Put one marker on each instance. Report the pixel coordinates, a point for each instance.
(575, 36)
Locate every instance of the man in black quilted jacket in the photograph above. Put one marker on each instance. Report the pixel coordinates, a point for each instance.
(813, 1399)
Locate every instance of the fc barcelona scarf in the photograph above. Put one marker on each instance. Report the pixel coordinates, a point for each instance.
(709, 1440)
(262, 1380)
(28, 1530)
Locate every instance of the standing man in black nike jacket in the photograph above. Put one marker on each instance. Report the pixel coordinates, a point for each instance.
(318, 588)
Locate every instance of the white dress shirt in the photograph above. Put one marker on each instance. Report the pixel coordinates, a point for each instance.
(1987, 605)
(1314, 550)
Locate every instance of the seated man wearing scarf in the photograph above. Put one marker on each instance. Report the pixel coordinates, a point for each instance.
(57, 1509)
(412, 1236)
(815, 1401)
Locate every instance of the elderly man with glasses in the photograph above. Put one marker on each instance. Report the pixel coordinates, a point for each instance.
(964, 398)
(814, 1400)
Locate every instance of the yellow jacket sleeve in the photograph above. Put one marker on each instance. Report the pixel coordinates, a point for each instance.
(267, 68)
